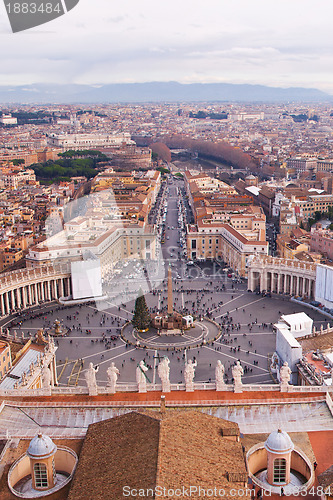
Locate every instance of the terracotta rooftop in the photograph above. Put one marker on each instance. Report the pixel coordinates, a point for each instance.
(318, 364)
(325, 479)
(117, 452)
(323, 341)
(172, 450)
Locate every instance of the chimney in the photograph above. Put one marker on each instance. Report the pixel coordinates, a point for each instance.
(162, 407)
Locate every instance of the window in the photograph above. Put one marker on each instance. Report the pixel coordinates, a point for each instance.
(279, 471)
(54, 472)
(40, 475)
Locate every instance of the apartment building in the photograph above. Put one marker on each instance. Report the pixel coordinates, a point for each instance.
(209, 241)
(8, 119)
(132, 194)
(300, 164)
(88, 141)
(315, 203)
(288, 247)
(109, 240)
(324, 165)
(5, 358)
(227, 226)
(321, 240)
(13, 180)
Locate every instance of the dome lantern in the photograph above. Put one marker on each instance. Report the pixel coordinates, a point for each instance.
(279, 447)
(41, 453)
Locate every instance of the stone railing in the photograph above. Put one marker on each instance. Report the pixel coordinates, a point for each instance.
(267, 260)
(132, 387)
(21, 276)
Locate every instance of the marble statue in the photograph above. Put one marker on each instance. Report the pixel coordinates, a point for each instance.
(46, 377)
(40, 339)
(50, 344)
(189, 375)
(285, 373)
(141, 377)
(24, 379)
(38, 362)
(275, 363)
(57, 327)
(237, 372)
(163, 371)
(112, 373)
(91, 379)
(219, 376)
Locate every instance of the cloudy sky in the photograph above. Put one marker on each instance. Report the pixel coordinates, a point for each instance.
(278, 43)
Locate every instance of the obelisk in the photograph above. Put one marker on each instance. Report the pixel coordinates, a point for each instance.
(170, 300)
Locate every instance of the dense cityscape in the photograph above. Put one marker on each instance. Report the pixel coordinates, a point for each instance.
(156, 259)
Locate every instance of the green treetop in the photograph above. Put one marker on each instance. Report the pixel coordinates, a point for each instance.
(141, 319)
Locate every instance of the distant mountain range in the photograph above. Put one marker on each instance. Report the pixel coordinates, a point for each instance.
(158, 92)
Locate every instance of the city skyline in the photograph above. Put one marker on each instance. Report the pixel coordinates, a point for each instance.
(273, 44)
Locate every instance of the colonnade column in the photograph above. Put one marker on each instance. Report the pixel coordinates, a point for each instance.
(3, 312)
(24, 296)
(304, 287)
(311, 289)
(297, 285)
(285, 283)
(279, 283)
(264, 280)
(13, 299)
(18, 297)
(291, 284)
(7, 303)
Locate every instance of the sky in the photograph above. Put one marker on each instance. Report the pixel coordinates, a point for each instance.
(277, 43)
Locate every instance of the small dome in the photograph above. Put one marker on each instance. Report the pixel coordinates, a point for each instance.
(41, 447)
(279, 442)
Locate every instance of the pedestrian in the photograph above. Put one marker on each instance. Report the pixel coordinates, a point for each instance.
(282, 492)
(315, 465)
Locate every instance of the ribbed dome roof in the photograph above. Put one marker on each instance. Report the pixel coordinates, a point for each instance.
(41, 447)
(279, 442)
